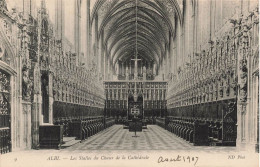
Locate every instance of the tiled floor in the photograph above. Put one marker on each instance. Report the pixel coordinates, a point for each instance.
(152, 138)
(152, 145)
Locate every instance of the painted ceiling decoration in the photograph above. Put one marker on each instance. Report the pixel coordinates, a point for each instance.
(156, 21)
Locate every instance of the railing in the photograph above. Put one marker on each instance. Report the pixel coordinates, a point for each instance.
(121, 120)
(160, 122)
(5, 140)
(109, 121)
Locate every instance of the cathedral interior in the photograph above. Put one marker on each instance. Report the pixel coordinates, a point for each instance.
(86, 74)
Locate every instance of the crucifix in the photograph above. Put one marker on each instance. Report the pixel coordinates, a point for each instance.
(136, 68)
(136, 50)
(136, 53)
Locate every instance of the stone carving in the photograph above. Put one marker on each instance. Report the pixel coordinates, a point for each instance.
(243, 80)
(3, 4)
(26, 84)
(4, 82)
(2, 51)
(213, 74)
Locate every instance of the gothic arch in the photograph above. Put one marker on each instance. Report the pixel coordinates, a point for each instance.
(7, 59)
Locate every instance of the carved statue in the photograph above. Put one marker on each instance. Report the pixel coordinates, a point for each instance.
(243, 80)
(26, 84)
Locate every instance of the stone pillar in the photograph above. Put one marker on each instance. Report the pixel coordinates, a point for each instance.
(59, 19)
(171, 56)
(102, 54)
(36, 107)
(92, 48)
(243, 107)
(26, 125)
(111, 69)
(130, 68)
(141, 67)
(255, 107)
(163, 67)
(154, 69)
(88, 29)
(120, 68)
(108, 69)
(33, 8)
(150, 66)
(77, 30)
(175, 55)
(97, 47)
(127, 73)
(167, 63)
(50, 92)
(144, 73)
(106, 66)
(117, 68)
(26, 8)
(96, 40)
(123, 68)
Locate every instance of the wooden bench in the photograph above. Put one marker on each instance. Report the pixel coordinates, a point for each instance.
(50, 136)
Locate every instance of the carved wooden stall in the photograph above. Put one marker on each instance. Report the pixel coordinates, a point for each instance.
(78, 99)
(210, 87)
(72, 96)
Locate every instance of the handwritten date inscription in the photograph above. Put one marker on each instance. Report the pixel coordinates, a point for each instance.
(185, 159)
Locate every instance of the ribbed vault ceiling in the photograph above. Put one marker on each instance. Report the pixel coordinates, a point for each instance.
(117, 23)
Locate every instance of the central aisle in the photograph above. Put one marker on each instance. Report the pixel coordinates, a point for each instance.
(152, 138)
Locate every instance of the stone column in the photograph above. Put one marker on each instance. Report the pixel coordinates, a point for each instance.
(106, 66)
(243, 107)
(130, 69)
(88, 42)
(171, 56)
(50, 92)
(127, 73)
(97, 47)
(255, 115)
(154, 68)
(150, 66)
(33, 8)
(36, 107)
(162, 69)
(123, 68)
(102, 55)
(26, 8)
(59, 19)
(26, 125)
(117, 68)
(92, 48)
(175, 53)
(141, 67)
(109, 69)
(77, 30)
(167, 63)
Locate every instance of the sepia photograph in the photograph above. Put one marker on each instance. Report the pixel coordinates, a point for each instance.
(122, 83)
